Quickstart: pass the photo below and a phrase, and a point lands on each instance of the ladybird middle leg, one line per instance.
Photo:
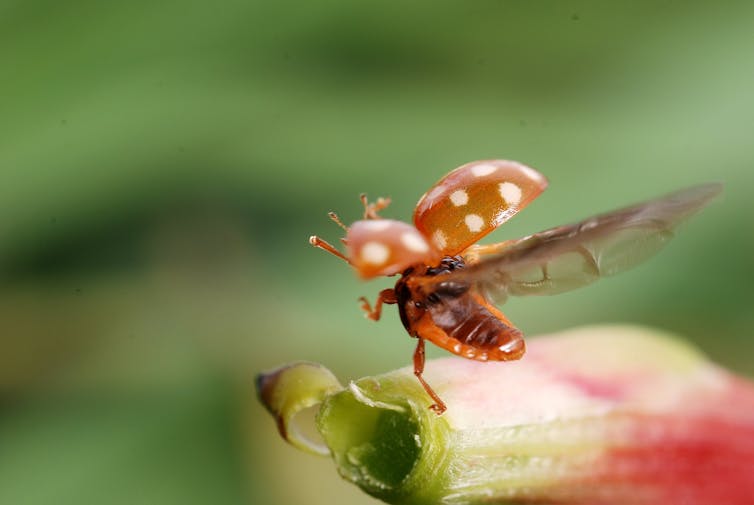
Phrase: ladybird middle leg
(385, 296)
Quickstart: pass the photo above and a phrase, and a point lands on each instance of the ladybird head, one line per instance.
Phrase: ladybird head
(377, 247)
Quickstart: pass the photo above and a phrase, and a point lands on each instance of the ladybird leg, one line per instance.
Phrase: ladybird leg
(371, 209)
(439, 406)
(323, 244)
(386, 296)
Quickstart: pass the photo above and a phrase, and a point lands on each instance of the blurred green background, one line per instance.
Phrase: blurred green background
(162, 165)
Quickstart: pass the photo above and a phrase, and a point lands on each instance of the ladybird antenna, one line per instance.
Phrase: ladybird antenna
(335, 219)
(324, 245)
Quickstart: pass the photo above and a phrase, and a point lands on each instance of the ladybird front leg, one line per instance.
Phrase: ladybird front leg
(385, 296)
(439, 406)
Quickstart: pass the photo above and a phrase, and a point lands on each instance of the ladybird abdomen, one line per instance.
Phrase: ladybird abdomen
(470, 330)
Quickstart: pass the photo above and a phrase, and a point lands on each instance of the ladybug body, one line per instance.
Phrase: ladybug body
(453, 316)
(447, 280)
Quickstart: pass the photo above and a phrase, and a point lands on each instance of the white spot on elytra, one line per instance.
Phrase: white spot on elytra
(376, 224)
(474, 222)
(375, 253)
(483, 169)
(459, 197)
(439, 238)
(510, 192)
(414, 242)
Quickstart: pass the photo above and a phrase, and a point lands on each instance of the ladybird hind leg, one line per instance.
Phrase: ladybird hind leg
(439, 406)
(385, 296)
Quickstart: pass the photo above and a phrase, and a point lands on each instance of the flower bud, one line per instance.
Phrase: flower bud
(601, 415)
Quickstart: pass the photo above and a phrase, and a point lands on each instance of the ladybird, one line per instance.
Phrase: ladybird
(448, 282)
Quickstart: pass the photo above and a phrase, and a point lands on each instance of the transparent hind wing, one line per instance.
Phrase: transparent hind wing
(568, 257)
(580, 261)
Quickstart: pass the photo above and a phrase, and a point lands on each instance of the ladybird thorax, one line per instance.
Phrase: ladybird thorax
(413, 301)
(378, 247)
(453, 315)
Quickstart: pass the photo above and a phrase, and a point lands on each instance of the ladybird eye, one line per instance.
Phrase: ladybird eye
(473, 200)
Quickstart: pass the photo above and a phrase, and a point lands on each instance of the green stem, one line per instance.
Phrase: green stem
(392, 448)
